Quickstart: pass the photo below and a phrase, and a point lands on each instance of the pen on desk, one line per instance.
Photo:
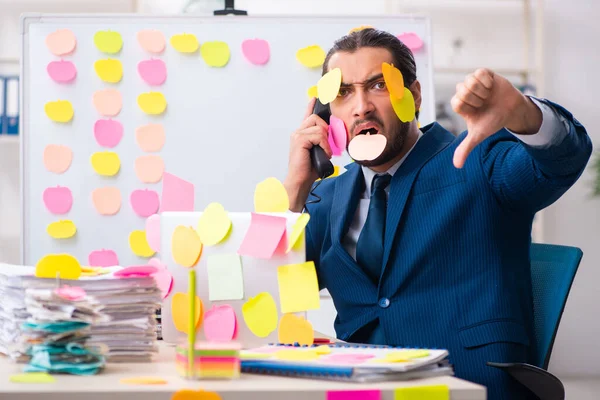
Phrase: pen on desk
(192, 322)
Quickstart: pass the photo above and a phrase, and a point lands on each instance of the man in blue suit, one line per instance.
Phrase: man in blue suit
(426, 243)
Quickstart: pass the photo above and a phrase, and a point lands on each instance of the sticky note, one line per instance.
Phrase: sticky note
(105, 163)
(153, 71)
(184, 42)
(152, 103)
(260, 314)
(263, 236)
(394, 81)
(359, 28)
(59, 111)
(139, 244)
(143, 380)
(338, 133)
(61, 42)
(177, 194)
(108, 102)
(144, 202)
(149, 168)
(188, 394)
(296, 355)
(220, 324)
(150, 137)
(374, 394)
(328, 87)
(72, 293)
(57, 158)
(62, 229)
(405, 108)
(312, 91)
(295, 329)
(311, 56)
(108, 132)
(298, 287)
(32, 377)
(406, 355)
(256, 51)
(164, 281)
(334, 149)
(249, 355)
(64, 264)
(323, 350)
(61, 71)
(270, 196)
(58, 200)
(429, 392)
(103, 258)
(136, 271)
(155, 262)
(411, 40)
(153, 232)
(297, 230)
(109, 70)
(151, 40)
(213, 225)
(225, 278)
(367, 147)
(107, 200)
(109, 42)
(347, 359)
(185, 246)
(215, 53)
(180, 307)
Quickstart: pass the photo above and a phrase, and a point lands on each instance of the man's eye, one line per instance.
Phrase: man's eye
(379, 85)
(343, 92)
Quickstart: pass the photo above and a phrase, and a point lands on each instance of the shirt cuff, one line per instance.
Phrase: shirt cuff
(554, 127)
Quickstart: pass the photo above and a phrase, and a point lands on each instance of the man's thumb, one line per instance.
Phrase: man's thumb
(462, 151)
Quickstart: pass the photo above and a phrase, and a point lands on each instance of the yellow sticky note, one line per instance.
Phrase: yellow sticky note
(109, 42)
(185, 246)
(62, 229)
(180, 307)
(405, 108)
(328, 86)
(270, 196)
(59, 111)
(184, 42)
(105, 163)
(260, 314)
(312, 91)
(65, 264)
(214, 224)
(394, 81)
(32, 377)
(249, 355)
(323, 350)
(406, 355)
(109, 70)
(311, 56)
(296, 355)
(152, 103)
(139, 244)
(143, 380)
(298, 287)
(430, 392)
(295, 329)
(215, 54)
(359, 28)
(297, 230)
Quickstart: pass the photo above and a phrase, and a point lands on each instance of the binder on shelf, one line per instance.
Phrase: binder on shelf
(2, 104)
(11, 111)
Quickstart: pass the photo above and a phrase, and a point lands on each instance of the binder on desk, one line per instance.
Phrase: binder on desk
(11, 109)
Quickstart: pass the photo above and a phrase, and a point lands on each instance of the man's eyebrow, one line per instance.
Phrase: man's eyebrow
(366, 82)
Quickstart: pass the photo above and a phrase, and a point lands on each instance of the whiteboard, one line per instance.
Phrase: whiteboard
(226, 128)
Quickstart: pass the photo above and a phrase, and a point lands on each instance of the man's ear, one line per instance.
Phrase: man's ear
(415, 89)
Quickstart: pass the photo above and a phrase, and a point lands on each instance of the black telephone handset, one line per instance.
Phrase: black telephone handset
(318, 157)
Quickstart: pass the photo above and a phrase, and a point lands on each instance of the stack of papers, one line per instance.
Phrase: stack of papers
(128, 331)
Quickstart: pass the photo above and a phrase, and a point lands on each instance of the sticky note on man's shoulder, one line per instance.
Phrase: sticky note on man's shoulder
(430, 392)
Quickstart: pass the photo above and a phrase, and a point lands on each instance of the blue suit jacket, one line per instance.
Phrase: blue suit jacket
(456, 270)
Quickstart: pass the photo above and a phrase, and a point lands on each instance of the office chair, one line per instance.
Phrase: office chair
(553, 269)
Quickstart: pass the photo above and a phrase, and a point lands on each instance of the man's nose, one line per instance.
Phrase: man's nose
(363, 105)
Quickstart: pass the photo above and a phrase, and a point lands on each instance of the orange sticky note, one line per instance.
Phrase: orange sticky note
(108, 102)
(180, 310)
(185, 246)
(150, 138)
(298, 287)
(188, 394)
(393, 80)
(61, 42)
(295, 329)
(107, 200)
(149, 168)
(57, 158)
(152, 41)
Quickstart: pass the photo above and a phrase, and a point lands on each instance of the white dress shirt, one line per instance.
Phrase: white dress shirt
(553, 129)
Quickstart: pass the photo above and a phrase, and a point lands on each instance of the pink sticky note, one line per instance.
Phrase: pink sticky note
(337, 130)
(152, 41)
(335, 150)
(354, 395)
(367, 147)
(220, 324)
(153, 232)
(155, 262)
(164, 281)
(136, 271)
(108, 132)
(108, 102)
(347, 358)
(72, 293)
(144, 202)
(256, 51)
(177, 194)
(411, 40)
(58, 200)
(61, 71)
(263, 236)
(103, 258)
(153, 71)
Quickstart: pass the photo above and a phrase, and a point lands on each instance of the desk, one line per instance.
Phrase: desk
(106, 386)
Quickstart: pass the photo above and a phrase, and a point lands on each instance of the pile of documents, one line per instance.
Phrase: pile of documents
(126, 330)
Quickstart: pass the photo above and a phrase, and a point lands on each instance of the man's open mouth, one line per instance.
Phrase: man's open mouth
(369, 131)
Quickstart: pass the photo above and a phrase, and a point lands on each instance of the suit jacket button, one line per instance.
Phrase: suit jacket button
(384, 302)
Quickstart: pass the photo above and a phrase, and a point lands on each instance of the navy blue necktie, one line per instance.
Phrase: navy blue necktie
(369, 248)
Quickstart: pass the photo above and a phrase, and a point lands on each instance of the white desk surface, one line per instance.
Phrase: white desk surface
(106, 386)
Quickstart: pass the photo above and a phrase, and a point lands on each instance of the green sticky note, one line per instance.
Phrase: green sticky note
(432, 392)
(225, 279)
(32, 377)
